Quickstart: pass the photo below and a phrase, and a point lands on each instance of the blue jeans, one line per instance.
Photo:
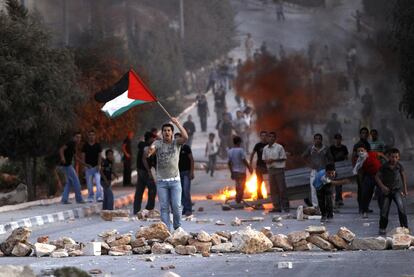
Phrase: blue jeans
(169, 194)
(90, 174)
(72, 180)
(186, 191)
(108, 200)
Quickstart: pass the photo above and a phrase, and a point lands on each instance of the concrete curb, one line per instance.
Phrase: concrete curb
(70, 214)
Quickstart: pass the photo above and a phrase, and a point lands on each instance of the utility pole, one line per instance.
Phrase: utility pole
(182, 19)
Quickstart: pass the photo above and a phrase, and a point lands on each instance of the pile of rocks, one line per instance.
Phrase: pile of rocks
(157, 239)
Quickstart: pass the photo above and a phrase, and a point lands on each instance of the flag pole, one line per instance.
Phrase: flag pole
(162, 107)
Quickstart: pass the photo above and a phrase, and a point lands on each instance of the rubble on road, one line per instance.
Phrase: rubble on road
(156, 239)
(109, 215)
(146, 215)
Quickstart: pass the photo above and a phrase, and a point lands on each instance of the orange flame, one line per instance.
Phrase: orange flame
(250, 190)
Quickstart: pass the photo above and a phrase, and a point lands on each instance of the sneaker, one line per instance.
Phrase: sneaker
(99, 200)
(324, 219)
(382, 232)
(81, 202)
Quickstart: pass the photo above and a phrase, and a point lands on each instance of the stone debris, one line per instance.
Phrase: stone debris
(203, 237)
(156, 239)
(142, 250)
(277, 218)
(315, 229)
(201, 221)
(108, 215)
(338, 242)
(282, 265)
(310, 211)
(346, 234)
(148, 214)
(236, 222)
(167, 267)
(401, 241)
(281, 241)
(118, 240)
(220, 223)
(60, 253)
(139, 242)
(399, 230)
(21, 250)
(370, 243)
(200, 246)
(95, 271)
(267, 232)
(200, 209)
(297, 236)
(43, 239)
(223, 248)
(321, 243)
(92, 249)
(253, 219)
(155, 231)
(185, 250)
(108, 233)
(250, 241)
(20, 234)
(14, 271)
(43, 249)
(150, 259)
(161, 248)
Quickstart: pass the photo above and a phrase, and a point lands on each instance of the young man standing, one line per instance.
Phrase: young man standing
(145, 178)
(339, 153)
(186, 166)
(168, 174)
(393, 183)
(274, 156)
(202, 110)
(317, 156)
(323, 183)
(212, 149)
(66, 153)
(261, 168)
(127, 157)
(91, 155)
(363, 141)
(107, 173)
(237, 166)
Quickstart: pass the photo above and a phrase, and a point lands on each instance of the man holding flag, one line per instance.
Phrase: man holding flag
(128, 92)
(168, 174)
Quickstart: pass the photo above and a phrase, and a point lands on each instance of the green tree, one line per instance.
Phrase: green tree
(38, 90)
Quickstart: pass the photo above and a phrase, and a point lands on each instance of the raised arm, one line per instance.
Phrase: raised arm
(184, 136)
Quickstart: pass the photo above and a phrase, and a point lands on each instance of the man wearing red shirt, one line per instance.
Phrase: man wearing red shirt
(370, 166)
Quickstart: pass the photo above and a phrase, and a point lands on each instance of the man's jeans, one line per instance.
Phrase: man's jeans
(108, 200)
(186, 191)
(386, 204)
(72, 180)
(90, 174)
(169, 194)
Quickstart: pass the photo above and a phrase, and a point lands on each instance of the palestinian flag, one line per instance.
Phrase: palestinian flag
(128, 92)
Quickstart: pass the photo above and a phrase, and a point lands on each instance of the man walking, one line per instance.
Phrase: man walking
(317, 156)
(274, 156)
(91, 155)
(237, 165)
(202, 111)
(127, 157)
(190, 128)
(145, 178)
(168, 174)
(186, 167)
(66, 153)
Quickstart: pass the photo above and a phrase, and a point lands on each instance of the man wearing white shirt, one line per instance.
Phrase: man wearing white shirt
(274, 156)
